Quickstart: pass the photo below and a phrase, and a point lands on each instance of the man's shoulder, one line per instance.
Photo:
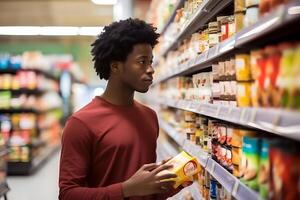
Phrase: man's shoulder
(146, 109)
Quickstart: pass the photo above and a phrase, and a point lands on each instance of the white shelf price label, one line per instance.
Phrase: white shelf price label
(206, 55)
(253, 115)
(235, 188)
(242, 116)
(213, 167)
(276, 120)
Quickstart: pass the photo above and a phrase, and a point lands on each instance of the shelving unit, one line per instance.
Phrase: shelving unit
(26, 168)
(258, 33)
(47, 74)
(277, 121)
(277, 26)
(229, 182)
(207, 10)
(42, 151)
(171, 18)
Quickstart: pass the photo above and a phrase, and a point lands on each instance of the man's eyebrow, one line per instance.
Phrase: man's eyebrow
(143, 56)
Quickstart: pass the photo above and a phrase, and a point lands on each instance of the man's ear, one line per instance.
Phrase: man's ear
(115, 67)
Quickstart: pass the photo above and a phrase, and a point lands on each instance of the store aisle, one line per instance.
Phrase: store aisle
(41, 185)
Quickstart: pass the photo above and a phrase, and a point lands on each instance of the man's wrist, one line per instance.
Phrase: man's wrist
(127, 191)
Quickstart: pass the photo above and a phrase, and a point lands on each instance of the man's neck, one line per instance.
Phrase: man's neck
(118, 94)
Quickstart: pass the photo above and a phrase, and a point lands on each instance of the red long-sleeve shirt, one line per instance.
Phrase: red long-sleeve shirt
(102, 146)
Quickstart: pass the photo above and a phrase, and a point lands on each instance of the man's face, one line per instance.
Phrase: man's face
(137, 69)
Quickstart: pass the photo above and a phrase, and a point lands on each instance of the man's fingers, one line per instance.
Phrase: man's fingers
(165, 175)
(166, 160)
(161, 168)
(149, 167)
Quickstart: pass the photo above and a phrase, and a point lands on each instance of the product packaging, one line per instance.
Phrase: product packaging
(184, 166)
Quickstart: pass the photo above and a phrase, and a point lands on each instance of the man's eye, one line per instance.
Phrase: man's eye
(142, 62)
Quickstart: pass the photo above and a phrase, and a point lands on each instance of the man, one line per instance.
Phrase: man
(109, 146)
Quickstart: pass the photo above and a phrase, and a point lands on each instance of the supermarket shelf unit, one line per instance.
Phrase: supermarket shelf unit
(171, 18)
(45, 73)
(257, 33)
(229, 182)
(277, 121)
(206, 11)
(25, 168)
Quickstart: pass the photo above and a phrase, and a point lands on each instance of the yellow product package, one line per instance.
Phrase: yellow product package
(184, 166)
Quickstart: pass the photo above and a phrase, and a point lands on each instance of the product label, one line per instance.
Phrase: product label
(190, 168)
(240, 64)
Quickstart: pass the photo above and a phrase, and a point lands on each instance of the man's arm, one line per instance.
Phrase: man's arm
(75, 162)
(77, 141)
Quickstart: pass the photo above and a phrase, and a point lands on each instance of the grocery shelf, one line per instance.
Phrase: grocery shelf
(25, 168)
(276, 20)
(26, 110)
(178, 138)
(278, 121)
(45, 73)
(257, 33)
(24, 91)
(206, 11)
(238, 190)
(178, 5)
(18, 110)
(3, 189)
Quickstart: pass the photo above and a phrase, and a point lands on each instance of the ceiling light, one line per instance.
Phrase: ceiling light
(90, 31)
(59, 30)
(19, 30)
(50, 30)
(104, 2)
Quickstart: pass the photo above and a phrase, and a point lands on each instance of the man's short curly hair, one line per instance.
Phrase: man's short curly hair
(116, 42)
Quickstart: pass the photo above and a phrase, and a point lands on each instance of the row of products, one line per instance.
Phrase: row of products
(18, 131)
(210, 188)
(267, 77)
(27, 80)
(269, 165)
(9, 100)
(246, 13)
(263, 6)
(35, 60)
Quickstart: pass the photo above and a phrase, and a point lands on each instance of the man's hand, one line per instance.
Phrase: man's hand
(147, 181)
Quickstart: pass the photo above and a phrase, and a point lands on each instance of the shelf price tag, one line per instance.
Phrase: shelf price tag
(253, 115)
(242, 116)
(276, 120)
(213, 167)
(206, 55)
(235, 188)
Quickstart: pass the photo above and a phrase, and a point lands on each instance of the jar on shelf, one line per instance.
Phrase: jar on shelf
(251, 17)
(239, 20)
(239, 5)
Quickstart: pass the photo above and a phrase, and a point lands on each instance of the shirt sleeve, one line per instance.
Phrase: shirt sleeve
(77, 141)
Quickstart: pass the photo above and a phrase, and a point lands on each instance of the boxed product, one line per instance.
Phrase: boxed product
(284, 170)
(184, 166)
(264, 169)
(250, 161)
(236, 155)
(244, 94)
(242, 66)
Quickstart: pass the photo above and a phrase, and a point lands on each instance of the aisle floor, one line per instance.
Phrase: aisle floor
(41, 185)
